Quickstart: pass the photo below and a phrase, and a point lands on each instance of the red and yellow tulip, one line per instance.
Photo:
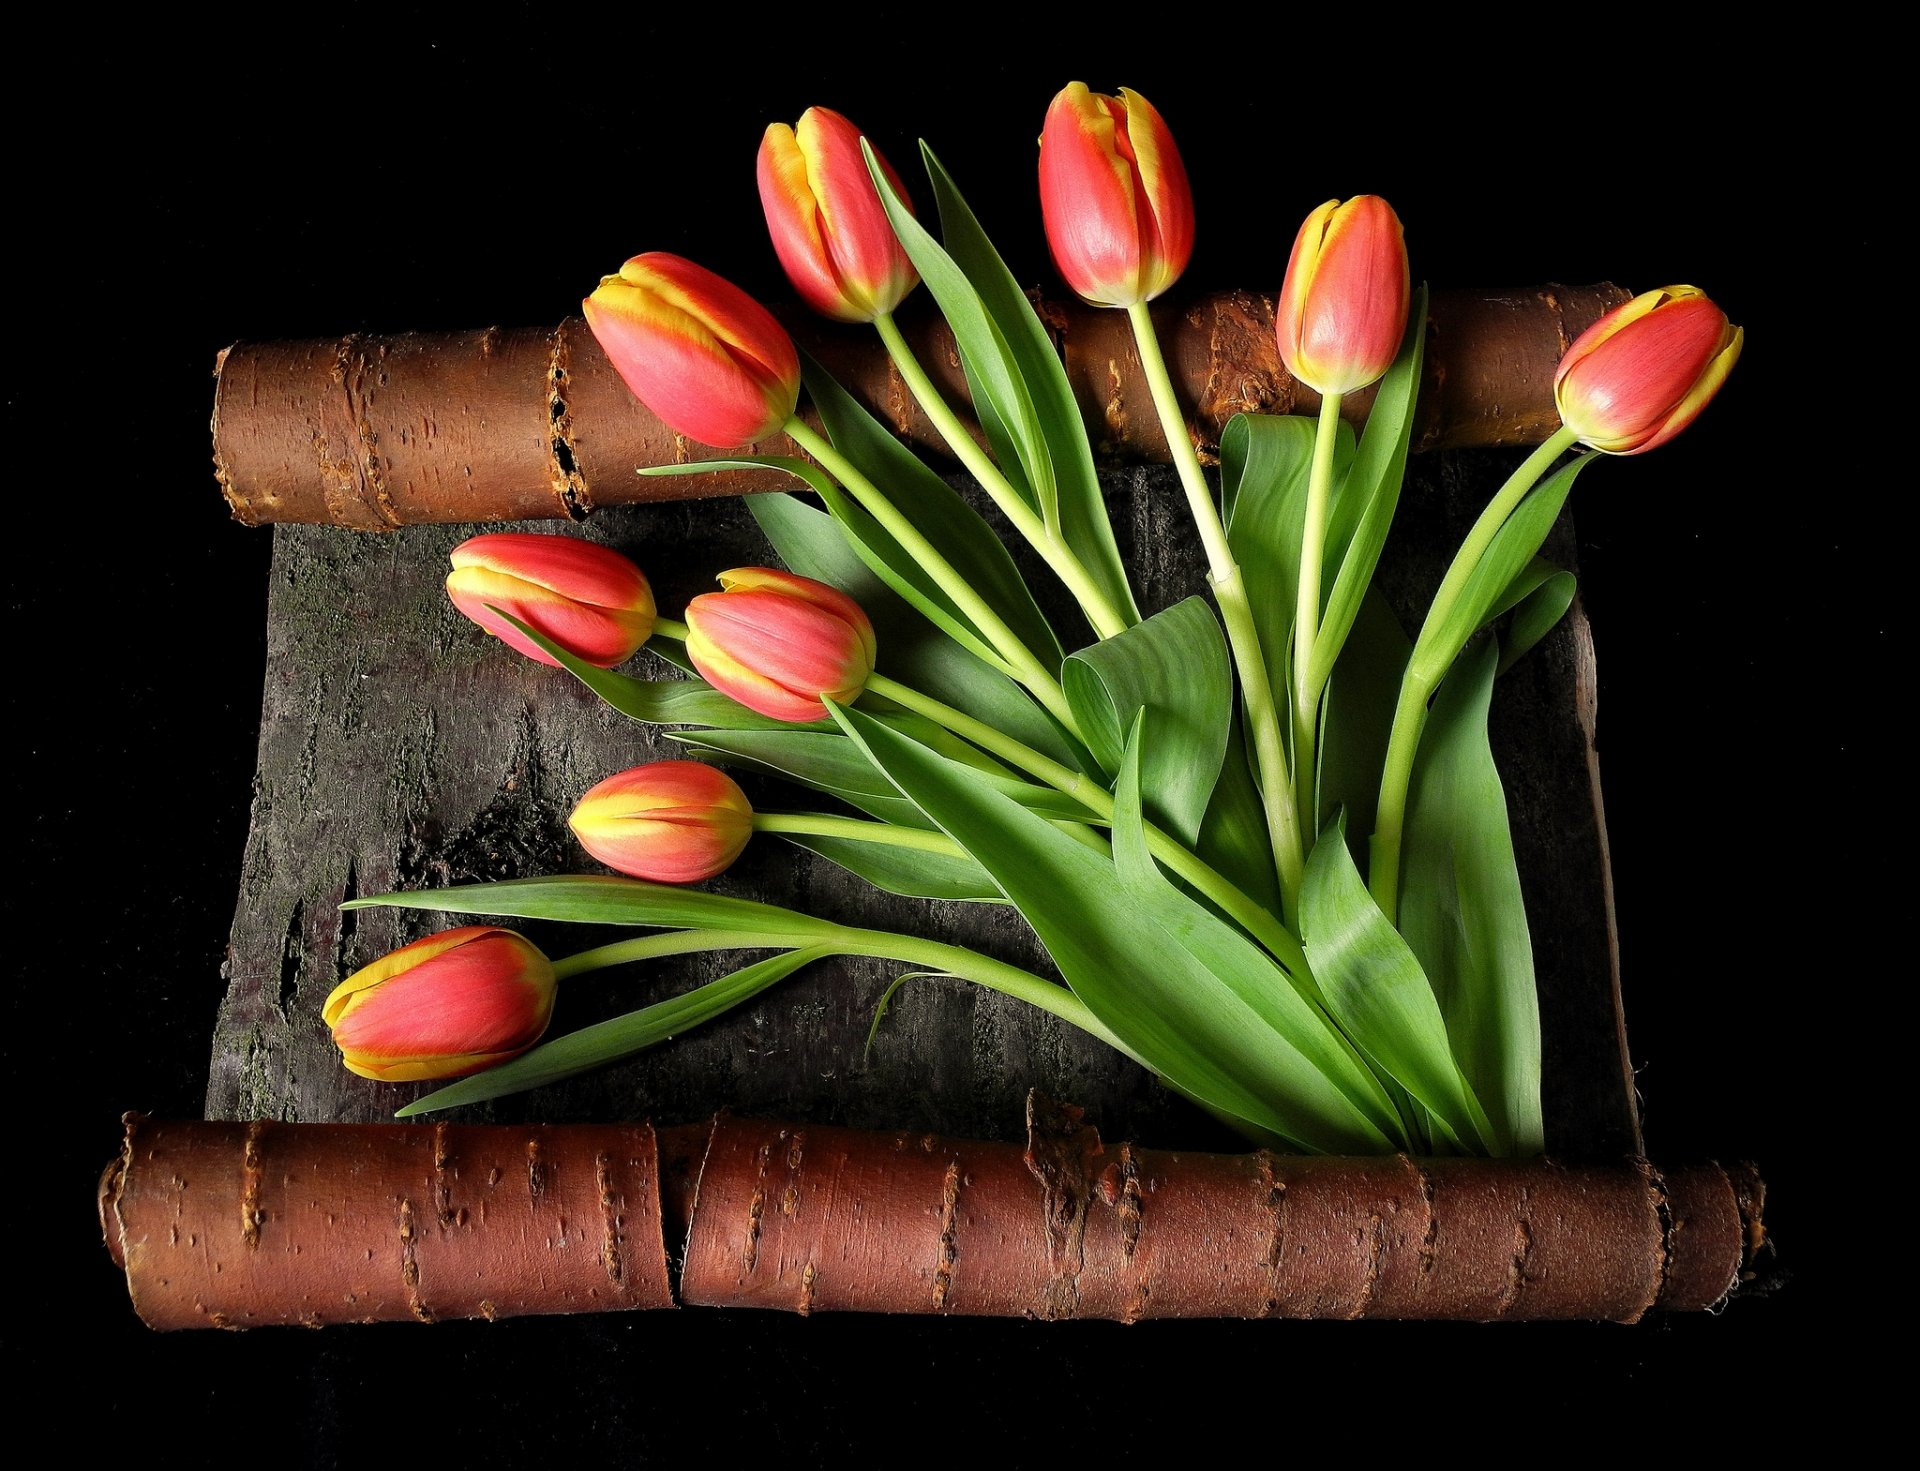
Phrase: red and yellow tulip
(706, 357)
(442, 1007)
(1114, 195)
(587, 598)
(779, 644)
(1343, 309)
(828, 225)
(1645, 370)
(675, 822)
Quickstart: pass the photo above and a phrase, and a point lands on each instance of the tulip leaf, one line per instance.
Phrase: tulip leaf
(618, 1038)
(1379, 995)
(1123, 959)
(1175, 665)
(1539, 598)
(1357, 718)
(1513, 547)
(1083, 519)
(596, 899)
(1265, 463)
(1234, 839)
(912, 650)
(904, 871)
(1462, 912)
(1361, 512)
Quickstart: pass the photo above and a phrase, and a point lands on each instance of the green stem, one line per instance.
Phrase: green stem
(679, 942)
(667, 628)
(1100, 611)
(1428, 666)
(1020, 659)
(1249, 914)
(1306, 622)
(1243, 635)
(887, 834)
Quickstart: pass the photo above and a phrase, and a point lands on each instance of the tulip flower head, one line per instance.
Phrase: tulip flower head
(1343, 309)
(675, 822)
(442, 1007)
(1114, 195)
(828, 225)
(1645, 370)
(706, 357)
(585, 597)
(780, 644)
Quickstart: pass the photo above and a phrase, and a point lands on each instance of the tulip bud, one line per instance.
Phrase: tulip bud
(1114, 194)
(707, 358)
(675, 822)
(778, 643)
(587, 598)
(828, 225)
(1343, 309)
(442, 1007)
(1645, 370)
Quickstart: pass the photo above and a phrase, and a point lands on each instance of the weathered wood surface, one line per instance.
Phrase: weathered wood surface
(401, 749)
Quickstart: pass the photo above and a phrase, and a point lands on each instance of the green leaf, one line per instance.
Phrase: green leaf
(1175, 665)
(904, 871)
(621, 1037)
(1516, 544)
(596, 899)
(912, 650)
(1358, 718)
(1163, 1004)
(1462, 912)
(1539, 598)
(1361, 512)
(1378, 994)
(1084, 524)
(1234, 841)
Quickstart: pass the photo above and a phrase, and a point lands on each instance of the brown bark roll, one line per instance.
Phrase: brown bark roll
(376, 432)
(236, 1225)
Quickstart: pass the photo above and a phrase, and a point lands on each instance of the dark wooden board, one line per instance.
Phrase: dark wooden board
(400, 749)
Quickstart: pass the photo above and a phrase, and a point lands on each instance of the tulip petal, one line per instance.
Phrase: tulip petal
(1088, 199)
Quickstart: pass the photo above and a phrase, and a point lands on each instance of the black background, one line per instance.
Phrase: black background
(381, 170)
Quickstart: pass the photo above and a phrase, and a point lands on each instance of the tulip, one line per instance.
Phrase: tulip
(828, 225)
(586, 598)
(1645, 370)
(442, 1007)
(1114, 194)
(708, 359)
(780, 644)
(1343, 309)
(675, 822)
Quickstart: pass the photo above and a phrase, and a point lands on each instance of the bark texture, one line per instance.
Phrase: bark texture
(375, 432)
(235, 1226)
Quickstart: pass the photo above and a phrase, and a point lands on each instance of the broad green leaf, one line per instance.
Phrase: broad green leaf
(1324, 1076)
(1539, 598)
(1265, 463)
(1461, 908)
(1083, 518)
(596, 899)
(1357, 719)
(1175, 665)
(1378, 994)
(1234, 841)
(912, 650)
(1514, 546)
(1361, 512)
(936, 509)
(621, 1037)
(903, 870)
(1164, 1005)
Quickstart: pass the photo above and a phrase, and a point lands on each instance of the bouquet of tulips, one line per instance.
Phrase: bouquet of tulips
(1263, 839)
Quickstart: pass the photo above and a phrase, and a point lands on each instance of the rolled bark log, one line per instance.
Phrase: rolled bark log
(239, 1225)
(377, 432)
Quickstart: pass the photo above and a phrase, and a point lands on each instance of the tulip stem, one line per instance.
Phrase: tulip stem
(667, 628)
(677, 942)
(1306, 622)
(1243, 635)
(1100, 612)
(858, 830)
(1429, 664)
(1248, 913)
(1025, 667)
